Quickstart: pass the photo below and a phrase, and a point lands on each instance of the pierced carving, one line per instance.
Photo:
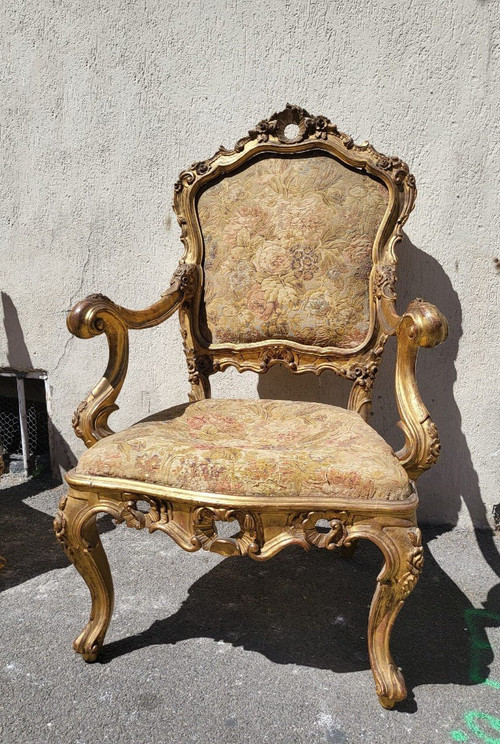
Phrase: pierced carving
(264, 529)
(262, 533)
(156, 516)
(331, 538)
(307, 125)
(274, 354)
(314, 127)
(205, 533)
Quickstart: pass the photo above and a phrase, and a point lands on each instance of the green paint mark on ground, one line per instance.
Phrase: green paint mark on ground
(492, 683)
(458, 735)
(471, 719)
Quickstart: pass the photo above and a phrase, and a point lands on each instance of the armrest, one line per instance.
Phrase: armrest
(97, 314)
(421, 325)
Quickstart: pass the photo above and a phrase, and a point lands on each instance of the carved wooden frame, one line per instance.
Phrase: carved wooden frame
(270, 137)
(264, 529)
(189, 519)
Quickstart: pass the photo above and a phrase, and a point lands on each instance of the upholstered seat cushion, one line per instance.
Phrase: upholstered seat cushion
(254, 447)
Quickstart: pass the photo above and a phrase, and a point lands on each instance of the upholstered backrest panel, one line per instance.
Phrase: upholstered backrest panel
(288, 250)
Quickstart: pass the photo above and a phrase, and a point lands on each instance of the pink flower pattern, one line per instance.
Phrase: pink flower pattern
(254, 447)
(299, 233)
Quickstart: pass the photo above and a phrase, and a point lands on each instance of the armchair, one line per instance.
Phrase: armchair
(289, 258)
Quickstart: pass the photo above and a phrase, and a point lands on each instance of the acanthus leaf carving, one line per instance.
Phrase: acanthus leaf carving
(199, 365)
(319, 127)
(415, 562)
(76, 418)
(364, 373)
(277, 353)
(434, 442)
(185, 275)
(385, 282)
(60, 525)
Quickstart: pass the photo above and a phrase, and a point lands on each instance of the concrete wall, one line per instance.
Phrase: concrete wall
(104, 102)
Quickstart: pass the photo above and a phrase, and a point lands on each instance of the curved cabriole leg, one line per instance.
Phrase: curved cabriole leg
(403, 552)
(76, 530)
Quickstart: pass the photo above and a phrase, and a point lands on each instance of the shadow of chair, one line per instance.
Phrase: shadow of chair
(300, 609)
(27, 534)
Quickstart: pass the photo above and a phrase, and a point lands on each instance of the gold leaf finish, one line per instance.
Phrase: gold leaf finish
(325, 513)
(421, 325)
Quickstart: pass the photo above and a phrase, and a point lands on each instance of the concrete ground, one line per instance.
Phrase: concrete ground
(202, 649)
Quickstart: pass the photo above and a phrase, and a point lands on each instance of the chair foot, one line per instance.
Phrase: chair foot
(90, 640)
(403, 554)
(76, 530)
(394, 682)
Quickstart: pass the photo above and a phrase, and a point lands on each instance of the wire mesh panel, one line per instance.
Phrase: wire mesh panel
(36, 422)
(10, 427)
(38, 435)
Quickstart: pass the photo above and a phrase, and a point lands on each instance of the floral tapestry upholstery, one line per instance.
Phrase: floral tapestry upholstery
(288, 251)
(262, 448)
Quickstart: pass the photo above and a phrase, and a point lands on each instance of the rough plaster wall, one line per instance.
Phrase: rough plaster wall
(104, 102)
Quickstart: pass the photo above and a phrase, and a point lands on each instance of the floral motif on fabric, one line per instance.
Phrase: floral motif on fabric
(288, 251)
(254, 447)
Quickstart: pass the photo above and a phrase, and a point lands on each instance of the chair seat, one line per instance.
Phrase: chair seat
(261, 448)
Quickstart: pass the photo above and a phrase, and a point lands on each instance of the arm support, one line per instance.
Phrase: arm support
(421, 325)
(97, 314)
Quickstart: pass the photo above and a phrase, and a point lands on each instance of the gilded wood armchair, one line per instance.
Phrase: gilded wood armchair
(289, 258)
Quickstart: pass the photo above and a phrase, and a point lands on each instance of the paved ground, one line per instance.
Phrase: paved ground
(206, 650)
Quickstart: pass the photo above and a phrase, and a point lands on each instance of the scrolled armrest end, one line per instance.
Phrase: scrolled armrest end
(421, 325)
(424, 323)
(97, 314)
(88, 317)
(94, 315)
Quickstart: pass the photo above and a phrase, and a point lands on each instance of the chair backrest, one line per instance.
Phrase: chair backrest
(293, 233)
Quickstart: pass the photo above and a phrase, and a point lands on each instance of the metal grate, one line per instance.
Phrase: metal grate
(38, 431)
(10, 427)
(24, 434)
